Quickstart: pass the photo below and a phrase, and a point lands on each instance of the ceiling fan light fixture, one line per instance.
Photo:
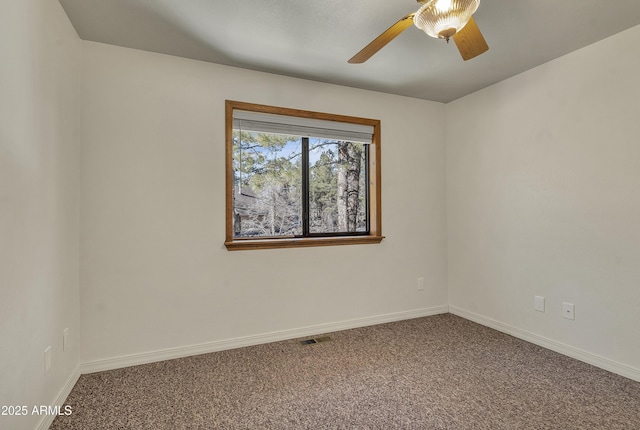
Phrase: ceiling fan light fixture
(444, 18)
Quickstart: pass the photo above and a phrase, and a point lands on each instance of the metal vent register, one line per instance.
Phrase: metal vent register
(315, 340)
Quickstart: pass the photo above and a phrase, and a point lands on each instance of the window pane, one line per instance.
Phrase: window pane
(337, 187)
(267, 199)
(298, 178)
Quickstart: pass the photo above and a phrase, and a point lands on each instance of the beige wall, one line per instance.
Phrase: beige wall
(39, 170)
(543, 192)
(155, 274)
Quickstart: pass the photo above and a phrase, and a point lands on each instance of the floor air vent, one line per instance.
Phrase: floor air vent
(315, 340)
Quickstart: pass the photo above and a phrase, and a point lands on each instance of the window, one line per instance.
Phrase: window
(299, 178)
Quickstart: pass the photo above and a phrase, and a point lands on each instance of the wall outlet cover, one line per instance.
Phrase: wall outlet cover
(47, 359)
(65, 339)
(568, 311)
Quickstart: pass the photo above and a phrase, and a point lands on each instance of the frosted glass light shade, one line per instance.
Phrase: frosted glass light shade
(444, 18)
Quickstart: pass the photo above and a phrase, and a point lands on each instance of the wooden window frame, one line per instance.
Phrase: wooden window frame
(375, 207)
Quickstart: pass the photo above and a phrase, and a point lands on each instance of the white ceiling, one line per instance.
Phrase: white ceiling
(313, 39)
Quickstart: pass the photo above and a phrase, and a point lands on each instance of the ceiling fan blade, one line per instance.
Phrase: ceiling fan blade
(470, 41)
(379, 42)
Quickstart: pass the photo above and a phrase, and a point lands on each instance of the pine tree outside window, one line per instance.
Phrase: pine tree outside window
(299, 178)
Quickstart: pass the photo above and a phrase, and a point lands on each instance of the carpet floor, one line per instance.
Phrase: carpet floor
(438, 372)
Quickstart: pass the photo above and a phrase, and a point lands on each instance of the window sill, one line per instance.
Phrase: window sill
(245, 244)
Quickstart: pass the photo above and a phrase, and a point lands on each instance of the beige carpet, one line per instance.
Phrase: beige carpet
(439, 372)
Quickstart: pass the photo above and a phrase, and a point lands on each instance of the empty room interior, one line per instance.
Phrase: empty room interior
(505, 193)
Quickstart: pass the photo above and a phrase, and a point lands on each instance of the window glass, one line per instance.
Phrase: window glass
(267, 199)
(338, 193)
(299, 178)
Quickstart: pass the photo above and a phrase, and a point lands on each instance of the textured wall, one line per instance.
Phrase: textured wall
(39, 169)
(543, 192)
(154, 271)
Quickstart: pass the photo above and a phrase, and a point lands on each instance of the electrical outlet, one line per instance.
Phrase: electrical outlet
(47, 359)
(65, 339)
(420, 284)
(568, 311)
(538, 303)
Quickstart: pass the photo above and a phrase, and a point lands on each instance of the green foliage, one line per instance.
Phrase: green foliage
(323, 182)
(257, 153)
(270, 167)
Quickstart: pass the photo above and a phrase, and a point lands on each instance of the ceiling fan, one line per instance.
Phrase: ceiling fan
(442, 19)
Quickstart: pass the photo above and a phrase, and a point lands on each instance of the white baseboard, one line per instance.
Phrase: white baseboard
(204, 348)
(47, 420)
(562, 348)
